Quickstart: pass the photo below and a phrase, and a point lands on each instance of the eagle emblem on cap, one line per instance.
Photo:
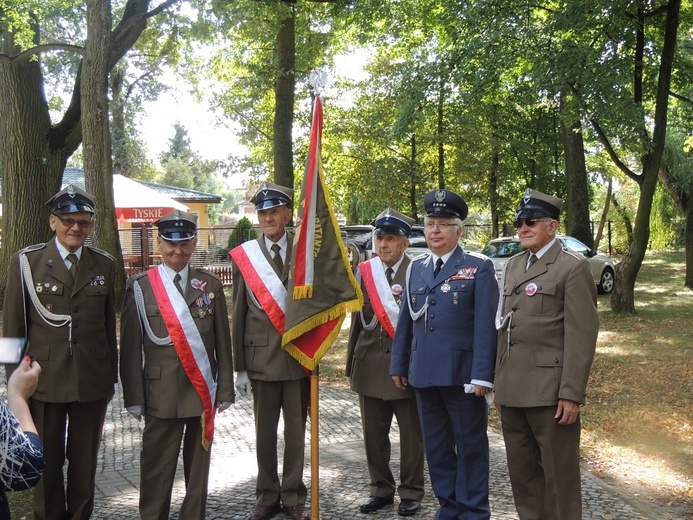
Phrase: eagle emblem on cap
(176, 214)
(71, 191)
(440, 195)
(527, 196)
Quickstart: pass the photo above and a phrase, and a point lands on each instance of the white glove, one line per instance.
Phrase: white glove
(469, 389)
(136, 411)
(243, 384)
(224, 405)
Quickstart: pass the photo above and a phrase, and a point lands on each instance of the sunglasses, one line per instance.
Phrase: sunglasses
(529, 222)
(70, 222)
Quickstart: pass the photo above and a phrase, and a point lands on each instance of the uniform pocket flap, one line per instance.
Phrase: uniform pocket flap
(256, 340)
(549, 359)
(152, 372)
(153, 310)
(95, 290)
(547, 288)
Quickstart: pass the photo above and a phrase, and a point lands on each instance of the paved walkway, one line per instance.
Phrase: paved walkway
(343, 475)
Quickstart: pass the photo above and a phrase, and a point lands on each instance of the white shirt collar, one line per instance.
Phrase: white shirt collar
(544, 249)
(64, 252)
(282, 243)
(183, 274)
(395, 267)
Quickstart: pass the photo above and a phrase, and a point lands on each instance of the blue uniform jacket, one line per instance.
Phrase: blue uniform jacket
(454, 340)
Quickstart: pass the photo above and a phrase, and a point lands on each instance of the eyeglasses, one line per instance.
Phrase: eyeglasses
(529, 222)
(70, 222)
(440, 225)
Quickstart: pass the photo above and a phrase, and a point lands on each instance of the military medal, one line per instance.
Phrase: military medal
(445, 287)
(396, 289)
(531, 289)
(39, 288)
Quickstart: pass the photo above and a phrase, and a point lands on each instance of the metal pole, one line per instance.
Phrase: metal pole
(314, 445)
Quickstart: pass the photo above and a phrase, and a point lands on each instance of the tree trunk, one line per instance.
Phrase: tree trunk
(33, 150)
(440, 133)
(284, 103)
(98, 167)
(605, 213)
(413, 202)
(32, 163)
(578, 200)
(688, 282)
(623, 297)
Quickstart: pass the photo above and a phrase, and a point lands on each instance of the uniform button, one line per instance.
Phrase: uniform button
(514, 309)
(433, 302)
(387, 351)
(512, 343)
(431, 316)
(556, 361)
(517, 291)
(75, 326)
(430, 329)
(513, 326)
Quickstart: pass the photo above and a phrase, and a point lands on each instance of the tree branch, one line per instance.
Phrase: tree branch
(612, 153)
(46, 47)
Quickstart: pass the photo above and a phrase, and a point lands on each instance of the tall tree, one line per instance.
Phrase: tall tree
(34, 149)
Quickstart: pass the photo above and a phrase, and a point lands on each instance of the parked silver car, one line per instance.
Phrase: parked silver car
(500, 250)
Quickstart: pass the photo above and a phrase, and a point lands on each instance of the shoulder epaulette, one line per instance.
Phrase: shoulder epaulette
(421, 256)
(33, 247)
(481, 256)
(101, 252)
(572, 253)
(139, 275)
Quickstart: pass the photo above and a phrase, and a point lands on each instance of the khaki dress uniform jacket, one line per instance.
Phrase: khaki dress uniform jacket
(280, 384)
(77, 377)
(545, 353)
(368, 367)
(153, 375)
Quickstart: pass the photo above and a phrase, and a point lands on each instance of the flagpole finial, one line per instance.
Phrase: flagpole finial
(317, 81)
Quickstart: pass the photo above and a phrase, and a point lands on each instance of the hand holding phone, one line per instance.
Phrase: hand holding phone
(12, 350)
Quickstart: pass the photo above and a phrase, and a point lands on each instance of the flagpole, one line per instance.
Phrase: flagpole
(314, 445)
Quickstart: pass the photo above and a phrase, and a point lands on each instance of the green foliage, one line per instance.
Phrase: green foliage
(243, 232)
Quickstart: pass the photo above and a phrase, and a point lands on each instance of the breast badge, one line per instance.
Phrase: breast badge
(531, 289)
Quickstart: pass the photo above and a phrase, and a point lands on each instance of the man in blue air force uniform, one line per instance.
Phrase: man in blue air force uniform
(445, 347)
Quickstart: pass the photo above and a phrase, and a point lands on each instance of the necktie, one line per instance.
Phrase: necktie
(176, 282)
(439, 264)
(74, 264)
(389, 273)
(532, 259)
(277, 257)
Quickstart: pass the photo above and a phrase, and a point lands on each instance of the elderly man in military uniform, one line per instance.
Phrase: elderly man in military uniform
(368, 368)
(445, 347)
(175, 363)
(549, 323)
(60, 295)
(278, 382)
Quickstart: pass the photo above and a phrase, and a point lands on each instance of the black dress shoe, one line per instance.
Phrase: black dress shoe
(408, 507)
(375, 504)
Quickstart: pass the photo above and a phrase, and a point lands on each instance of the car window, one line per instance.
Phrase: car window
(575, 245)
(502, 249)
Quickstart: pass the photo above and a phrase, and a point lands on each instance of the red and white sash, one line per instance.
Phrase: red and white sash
(188, 344)
(378, 288)
(262, 281)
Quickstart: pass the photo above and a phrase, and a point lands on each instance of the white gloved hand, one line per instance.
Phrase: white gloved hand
(224, 405)
(136, 411)
(243, 384)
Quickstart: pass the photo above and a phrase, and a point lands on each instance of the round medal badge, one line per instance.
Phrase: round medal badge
(531, 289)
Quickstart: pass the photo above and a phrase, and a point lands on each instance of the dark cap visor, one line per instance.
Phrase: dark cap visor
(73, 208)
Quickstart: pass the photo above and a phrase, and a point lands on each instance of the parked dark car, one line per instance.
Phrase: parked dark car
(500, 250)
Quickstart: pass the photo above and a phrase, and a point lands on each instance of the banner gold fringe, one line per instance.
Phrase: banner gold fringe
(303, 291)
(311, 363)
(205, 443)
